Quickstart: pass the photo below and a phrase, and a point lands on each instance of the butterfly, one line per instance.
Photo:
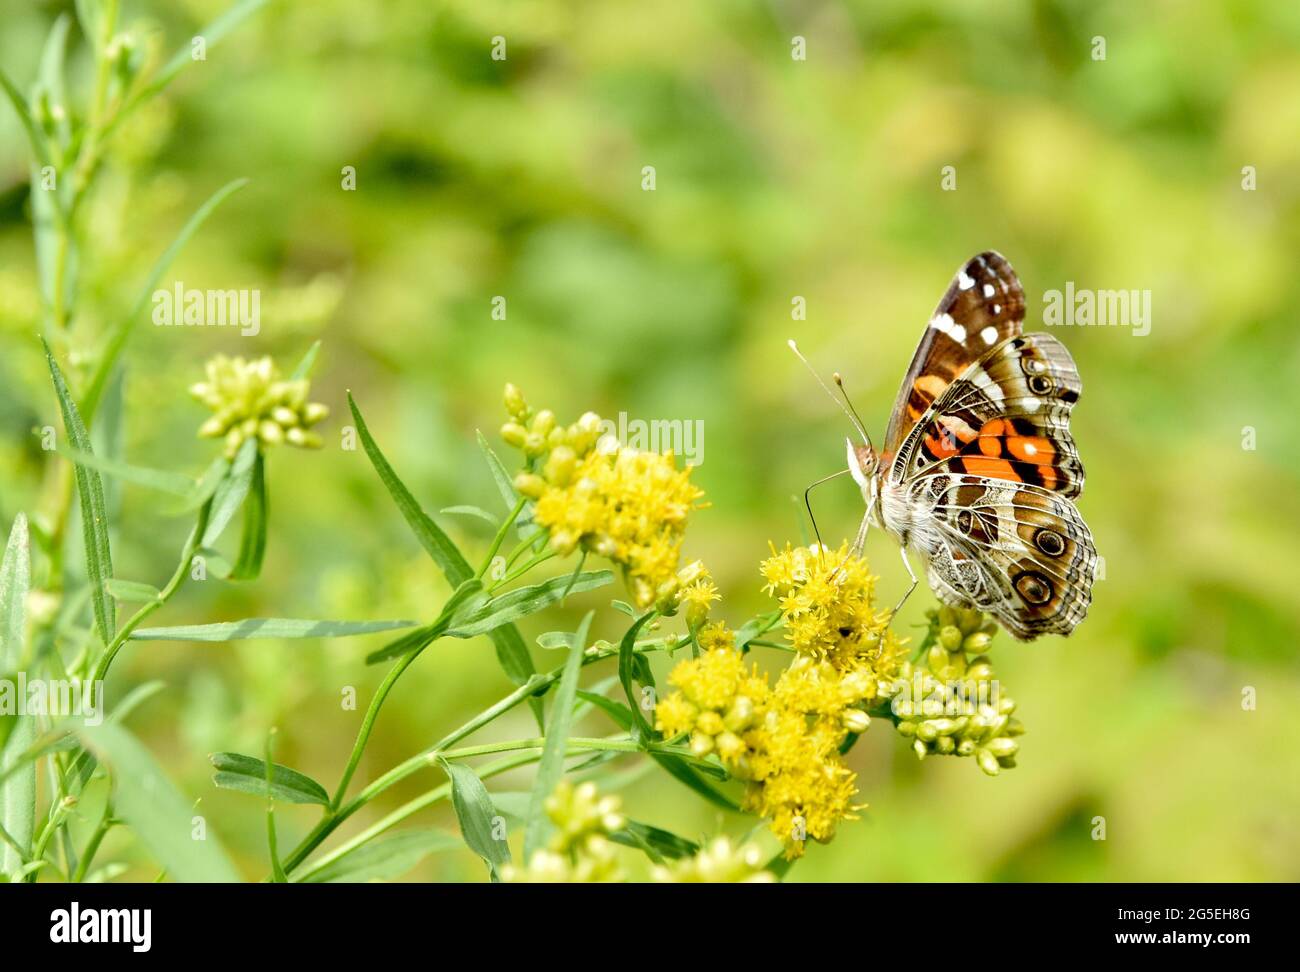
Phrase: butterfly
(979, 472)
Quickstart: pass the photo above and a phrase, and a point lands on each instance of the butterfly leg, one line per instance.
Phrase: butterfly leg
(908, 564)
(860, 540)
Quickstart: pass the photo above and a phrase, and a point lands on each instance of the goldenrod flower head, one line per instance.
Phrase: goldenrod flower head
(579, 850)
(721, 861)
(249, 400)
(827, 598)
(784, 740)
(628, 506)
(952, 705)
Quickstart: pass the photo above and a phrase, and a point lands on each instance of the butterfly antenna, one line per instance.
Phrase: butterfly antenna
(846, 409)
(857, 419)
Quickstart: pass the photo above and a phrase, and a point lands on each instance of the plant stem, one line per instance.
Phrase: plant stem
(368, 723)
(92, 845)
(177, 579)
(500, 538)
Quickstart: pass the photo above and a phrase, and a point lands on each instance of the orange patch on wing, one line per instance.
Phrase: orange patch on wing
(990, 468)
(1031, 448)
(930, 385)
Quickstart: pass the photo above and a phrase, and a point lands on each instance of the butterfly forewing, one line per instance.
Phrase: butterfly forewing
(1006, 417)
(984, 305)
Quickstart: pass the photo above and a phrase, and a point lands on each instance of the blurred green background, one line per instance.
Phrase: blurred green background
(775, 178)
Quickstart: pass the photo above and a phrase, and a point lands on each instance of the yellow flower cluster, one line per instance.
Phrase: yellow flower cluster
(627, 506)
(953, 705)
(249, 400)
(785, 739)
(579, 850)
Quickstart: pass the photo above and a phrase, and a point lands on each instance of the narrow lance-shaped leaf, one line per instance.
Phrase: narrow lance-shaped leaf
(512, 653)
(162, 819)
(94, 516)
(385, 859)
(252, 543)
(248, 774)
(523, 601)
(551, 767)
(118, 337)
(231, 492)
(18, 791)
(252, 628)
(166, 482)
(641, 731)
(477, 816)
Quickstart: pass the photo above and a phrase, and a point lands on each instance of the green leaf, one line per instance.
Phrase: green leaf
(642, 731)
(470, 592)
(18, 792)
(512, 653)
(247, 774)
(686, 774)
(522, 602)
(201, 491)
(386, 858)
(212, 34)
(159, 479)
(474, 511)
(252, 543)
(118, 337)
(162, 819)
(476, 815)
(656, 842)
(132, 591)
(35, 137)
(551, 767)
(439, 546)
(307, 363)
(411, 641)
(253, 628)
(231, 492)
(94, 517)
(617, 711)
(505, 486)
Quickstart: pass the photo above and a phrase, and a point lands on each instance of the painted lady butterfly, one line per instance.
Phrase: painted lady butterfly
(979, 472)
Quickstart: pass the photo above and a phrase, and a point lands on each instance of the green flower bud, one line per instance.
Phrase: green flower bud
(514, 434)
(530, 485)
(976, 643)
(945, 745)
(920, 749)
(855, 720)
(987, 762)
(560, 465)
(1002, 746)
(702, 744)
(543, 422)
(950, 637)
(515, 404)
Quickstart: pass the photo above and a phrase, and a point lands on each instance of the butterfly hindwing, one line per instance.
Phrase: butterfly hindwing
(983, 306)
(1016, 551)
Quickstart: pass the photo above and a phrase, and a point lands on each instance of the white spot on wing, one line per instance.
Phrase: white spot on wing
(988, 290)
(989, 334)
(964, 282)
(1031, 449)
(946, 325)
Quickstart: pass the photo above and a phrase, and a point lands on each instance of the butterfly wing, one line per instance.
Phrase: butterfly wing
(988, 475)
(1007, 417)
(984, 305)
(1016, 551)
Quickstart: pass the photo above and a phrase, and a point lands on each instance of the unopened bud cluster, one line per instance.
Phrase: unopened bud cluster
(250, 400)
(538, 435)
(952, 705)
(579, 850)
